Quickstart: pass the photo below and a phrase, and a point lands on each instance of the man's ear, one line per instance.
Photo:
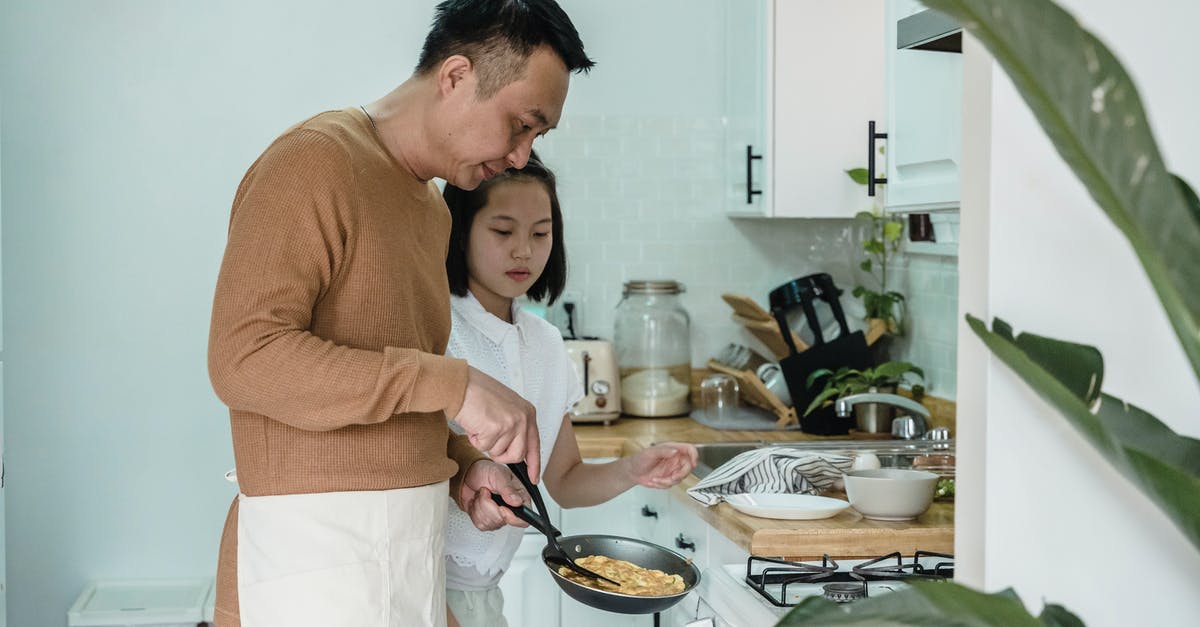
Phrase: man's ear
(453, 72)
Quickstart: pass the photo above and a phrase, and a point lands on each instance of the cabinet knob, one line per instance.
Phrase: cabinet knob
(681, 543)
(649, 513)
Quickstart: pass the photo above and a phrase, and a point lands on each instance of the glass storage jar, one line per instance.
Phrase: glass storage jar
(652, 335)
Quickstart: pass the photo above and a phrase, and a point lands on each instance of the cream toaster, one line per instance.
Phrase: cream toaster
(595, 364)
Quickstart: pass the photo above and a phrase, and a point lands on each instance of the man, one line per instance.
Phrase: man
(331, 317)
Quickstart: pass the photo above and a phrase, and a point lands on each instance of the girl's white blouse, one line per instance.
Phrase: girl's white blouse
(528, 357)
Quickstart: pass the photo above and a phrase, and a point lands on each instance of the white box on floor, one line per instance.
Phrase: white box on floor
(142, 602)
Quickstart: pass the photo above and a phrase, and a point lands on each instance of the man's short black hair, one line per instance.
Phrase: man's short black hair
(498, 36)
(465, 205)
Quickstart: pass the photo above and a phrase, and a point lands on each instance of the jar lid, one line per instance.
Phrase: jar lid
(656, 286)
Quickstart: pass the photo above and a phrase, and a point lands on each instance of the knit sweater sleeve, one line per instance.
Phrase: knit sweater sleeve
(287, 237)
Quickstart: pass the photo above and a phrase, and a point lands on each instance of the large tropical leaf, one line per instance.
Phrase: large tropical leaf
(929, 604)
(1164, 464)
(1090, 109)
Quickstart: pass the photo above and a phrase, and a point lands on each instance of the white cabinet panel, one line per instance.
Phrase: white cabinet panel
(618, 517)
(3, 568)
(531, 597)
(828, 85)
(824, 84)
(924, 145)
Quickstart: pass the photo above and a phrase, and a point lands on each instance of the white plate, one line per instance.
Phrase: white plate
(787, 506)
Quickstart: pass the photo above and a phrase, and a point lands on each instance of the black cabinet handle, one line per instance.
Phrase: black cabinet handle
(649, 513)
(872, 137)
(680, 543)
(750, 191)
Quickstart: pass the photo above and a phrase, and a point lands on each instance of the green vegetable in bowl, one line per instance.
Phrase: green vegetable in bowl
(945, 488)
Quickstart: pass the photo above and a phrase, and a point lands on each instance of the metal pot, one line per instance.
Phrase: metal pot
(875, 417)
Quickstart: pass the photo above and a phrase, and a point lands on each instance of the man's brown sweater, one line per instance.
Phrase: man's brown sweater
(331, 315)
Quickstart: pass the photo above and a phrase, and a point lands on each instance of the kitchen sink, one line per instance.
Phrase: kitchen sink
(891, 453)
(714, 454)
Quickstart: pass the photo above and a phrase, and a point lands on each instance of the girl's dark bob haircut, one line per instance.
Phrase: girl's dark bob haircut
(464, 205)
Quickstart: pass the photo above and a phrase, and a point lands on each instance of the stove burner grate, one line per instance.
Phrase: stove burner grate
(840, 585)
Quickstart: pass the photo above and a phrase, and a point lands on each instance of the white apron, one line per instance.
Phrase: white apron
(352, 559)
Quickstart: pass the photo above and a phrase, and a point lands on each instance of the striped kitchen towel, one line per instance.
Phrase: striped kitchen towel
(773, 470)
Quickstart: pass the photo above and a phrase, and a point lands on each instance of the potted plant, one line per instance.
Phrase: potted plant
(882, 242)
(884, 378)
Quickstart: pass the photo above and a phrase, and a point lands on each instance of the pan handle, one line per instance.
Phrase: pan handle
(529, 516)
(522, 472)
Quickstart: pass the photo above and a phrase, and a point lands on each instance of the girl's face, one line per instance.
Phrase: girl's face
(509, 244)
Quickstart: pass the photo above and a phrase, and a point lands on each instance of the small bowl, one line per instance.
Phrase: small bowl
(890, 493)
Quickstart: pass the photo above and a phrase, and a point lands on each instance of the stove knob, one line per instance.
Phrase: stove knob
(600, 388)
(601, 402)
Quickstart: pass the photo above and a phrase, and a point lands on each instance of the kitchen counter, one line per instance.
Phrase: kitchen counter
(847, 535)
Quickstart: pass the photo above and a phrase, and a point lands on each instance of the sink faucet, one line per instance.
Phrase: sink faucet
(920, 414)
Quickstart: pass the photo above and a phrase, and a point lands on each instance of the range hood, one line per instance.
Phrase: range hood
(929, 30)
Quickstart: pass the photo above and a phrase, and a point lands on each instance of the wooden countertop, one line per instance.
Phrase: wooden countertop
(847, 535)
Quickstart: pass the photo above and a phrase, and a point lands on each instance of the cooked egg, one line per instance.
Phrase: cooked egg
(635, 580)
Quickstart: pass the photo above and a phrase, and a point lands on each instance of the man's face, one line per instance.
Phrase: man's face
(485, 137)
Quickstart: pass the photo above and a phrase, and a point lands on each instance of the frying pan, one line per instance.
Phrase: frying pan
(644, 554)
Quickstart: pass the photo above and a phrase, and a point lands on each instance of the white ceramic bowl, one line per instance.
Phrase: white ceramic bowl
(890, 493)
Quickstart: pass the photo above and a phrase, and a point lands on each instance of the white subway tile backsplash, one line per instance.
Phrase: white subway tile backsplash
(643, 197)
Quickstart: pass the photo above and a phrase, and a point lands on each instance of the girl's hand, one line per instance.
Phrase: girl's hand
(663, 465)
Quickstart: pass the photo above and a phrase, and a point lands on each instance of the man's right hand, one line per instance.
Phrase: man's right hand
(500, 423)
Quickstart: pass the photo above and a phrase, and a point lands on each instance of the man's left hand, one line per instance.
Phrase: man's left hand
(485, 478)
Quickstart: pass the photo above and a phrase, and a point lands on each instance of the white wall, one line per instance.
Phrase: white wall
(126, 128)
(1059, 523)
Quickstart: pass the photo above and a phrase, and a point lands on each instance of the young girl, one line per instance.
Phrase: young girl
(506, 241)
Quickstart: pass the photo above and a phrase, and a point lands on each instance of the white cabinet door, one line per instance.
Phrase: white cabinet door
(618, 517)
(824, 68)
(531, 597)
(747, 69)
(828, 84)
(924, 145)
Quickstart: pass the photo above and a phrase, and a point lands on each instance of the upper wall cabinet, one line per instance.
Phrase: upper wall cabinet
(803, 78)
(924, 87)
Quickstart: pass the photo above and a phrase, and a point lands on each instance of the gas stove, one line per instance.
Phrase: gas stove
(785, 583)
(761, 590)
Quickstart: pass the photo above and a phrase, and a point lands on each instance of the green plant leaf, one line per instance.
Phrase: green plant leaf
(925, 604)
(1079, 367)
(859, 175)
(892, 230)
(1057, 616)
(1097, 123)
(817, 374)
(1162, 463)
(827, 394)
(865, 266)
(894, 370)
(1189, 194)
